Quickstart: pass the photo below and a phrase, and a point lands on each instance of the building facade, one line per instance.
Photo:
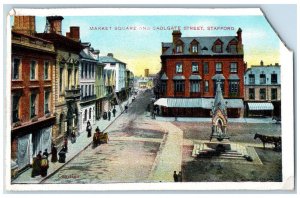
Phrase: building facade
(88, 64)
(66, 72)
(101, 92)
(191, 66)
(263, 90)
(32, 92)
(115, 74)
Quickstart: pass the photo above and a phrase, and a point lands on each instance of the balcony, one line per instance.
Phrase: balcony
(73, 93)
(88, 98)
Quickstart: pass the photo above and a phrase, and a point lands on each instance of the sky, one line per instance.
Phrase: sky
(141, 49)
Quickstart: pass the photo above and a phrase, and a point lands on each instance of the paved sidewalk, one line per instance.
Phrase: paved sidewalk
(169, 157)
(82, 142)
(197, 119)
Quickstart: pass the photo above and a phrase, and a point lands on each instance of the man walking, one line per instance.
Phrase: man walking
(175, 176)
(114, 112)
(109, 115)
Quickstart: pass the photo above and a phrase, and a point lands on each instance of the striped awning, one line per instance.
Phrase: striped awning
(205, 103)
(260, 106)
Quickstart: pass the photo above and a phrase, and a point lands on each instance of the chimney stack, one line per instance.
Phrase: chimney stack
(75, 33)
(24, 24)
(110, 54)
(261, 63)
(54, 23)
(176, 35)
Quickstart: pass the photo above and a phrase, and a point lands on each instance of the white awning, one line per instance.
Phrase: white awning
(205, 103)
(260, 106)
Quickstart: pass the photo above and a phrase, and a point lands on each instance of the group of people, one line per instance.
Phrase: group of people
(177, 177)
(40, 163)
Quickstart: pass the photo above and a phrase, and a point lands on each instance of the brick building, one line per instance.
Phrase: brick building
(32, 107)
(191, 66)
(66, 82)
(263, 90)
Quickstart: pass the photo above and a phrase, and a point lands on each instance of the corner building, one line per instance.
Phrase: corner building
(191, 66)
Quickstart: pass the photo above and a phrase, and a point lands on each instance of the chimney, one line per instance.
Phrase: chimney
(110, 54)
(176, 35)
(68, 35)
(75, 33)
(276, 64)
(54, 23)
(240, 42)
(261, 63)
(24, 24)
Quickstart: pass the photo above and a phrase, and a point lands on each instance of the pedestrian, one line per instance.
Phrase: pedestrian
(73, 137)
(179, 176)
(62, 155)
(65, 145)
(44, 166)
(53, 153)
(36, 165)
(109, 115)
(114, 112)
(89, 129)
(126, 108)
(175, 176)
(157, 110)
(46, 154)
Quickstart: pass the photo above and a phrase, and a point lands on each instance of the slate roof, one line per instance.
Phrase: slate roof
(178, 78)
(87, 56)
(195, 77)
(218, 77)
(233, 77)
(164, 77)
(109, 59)
(204, 47)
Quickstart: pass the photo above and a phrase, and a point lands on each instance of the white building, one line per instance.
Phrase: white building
(89, 60)
(118, 68)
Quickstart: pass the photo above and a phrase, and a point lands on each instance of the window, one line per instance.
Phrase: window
(75, 77)
(206, 86)
(251, 93)
(262, 94)
(274, 94)
(274, 78)
(81, 91)
(218, 68)
(179, 68)
(15, 108)
(85, 115)
(90, 70)
(32, 105)
(90, 113)
(86, 90)
(61, 71)
(194, 48)
(46, 105)
(233, 67)
(218, 48)
(16, 68)
(93, 69)
(92, 89)
(233, 87)
(32, 70)
(233, 48)
(205, 68)
(69, 78)
(179, 85)
(82, 70)
(46, 70)
(86, 70)
(262, 78)
(194, 67)
(179, 49)
(195, 86)
(251, 79)
(163, 87)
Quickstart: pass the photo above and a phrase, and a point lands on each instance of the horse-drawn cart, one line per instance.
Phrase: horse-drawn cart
(100, 138)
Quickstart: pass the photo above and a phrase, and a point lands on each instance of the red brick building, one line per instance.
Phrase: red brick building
(32, 106)
(191, 66)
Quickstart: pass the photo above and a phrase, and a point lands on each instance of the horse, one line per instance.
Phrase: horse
(269, 139)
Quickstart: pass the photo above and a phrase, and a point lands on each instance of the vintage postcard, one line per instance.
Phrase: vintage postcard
(153, 99)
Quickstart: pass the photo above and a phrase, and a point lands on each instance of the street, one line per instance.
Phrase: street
(129, 155)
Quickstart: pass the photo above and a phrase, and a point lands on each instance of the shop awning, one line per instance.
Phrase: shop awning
(205, 103)
(260, 106)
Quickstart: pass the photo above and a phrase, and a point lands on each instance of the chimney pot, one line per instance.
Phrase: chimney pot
(110, 54)
(176, 35)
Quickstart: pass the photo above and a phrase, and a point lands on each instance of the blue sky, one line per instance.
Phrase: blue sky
(142, 49)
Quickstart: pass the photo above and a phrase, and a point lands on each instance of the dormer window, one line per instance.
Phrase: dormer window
(194, 49)
(179, 49)
(218, 48)
(233, 48)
